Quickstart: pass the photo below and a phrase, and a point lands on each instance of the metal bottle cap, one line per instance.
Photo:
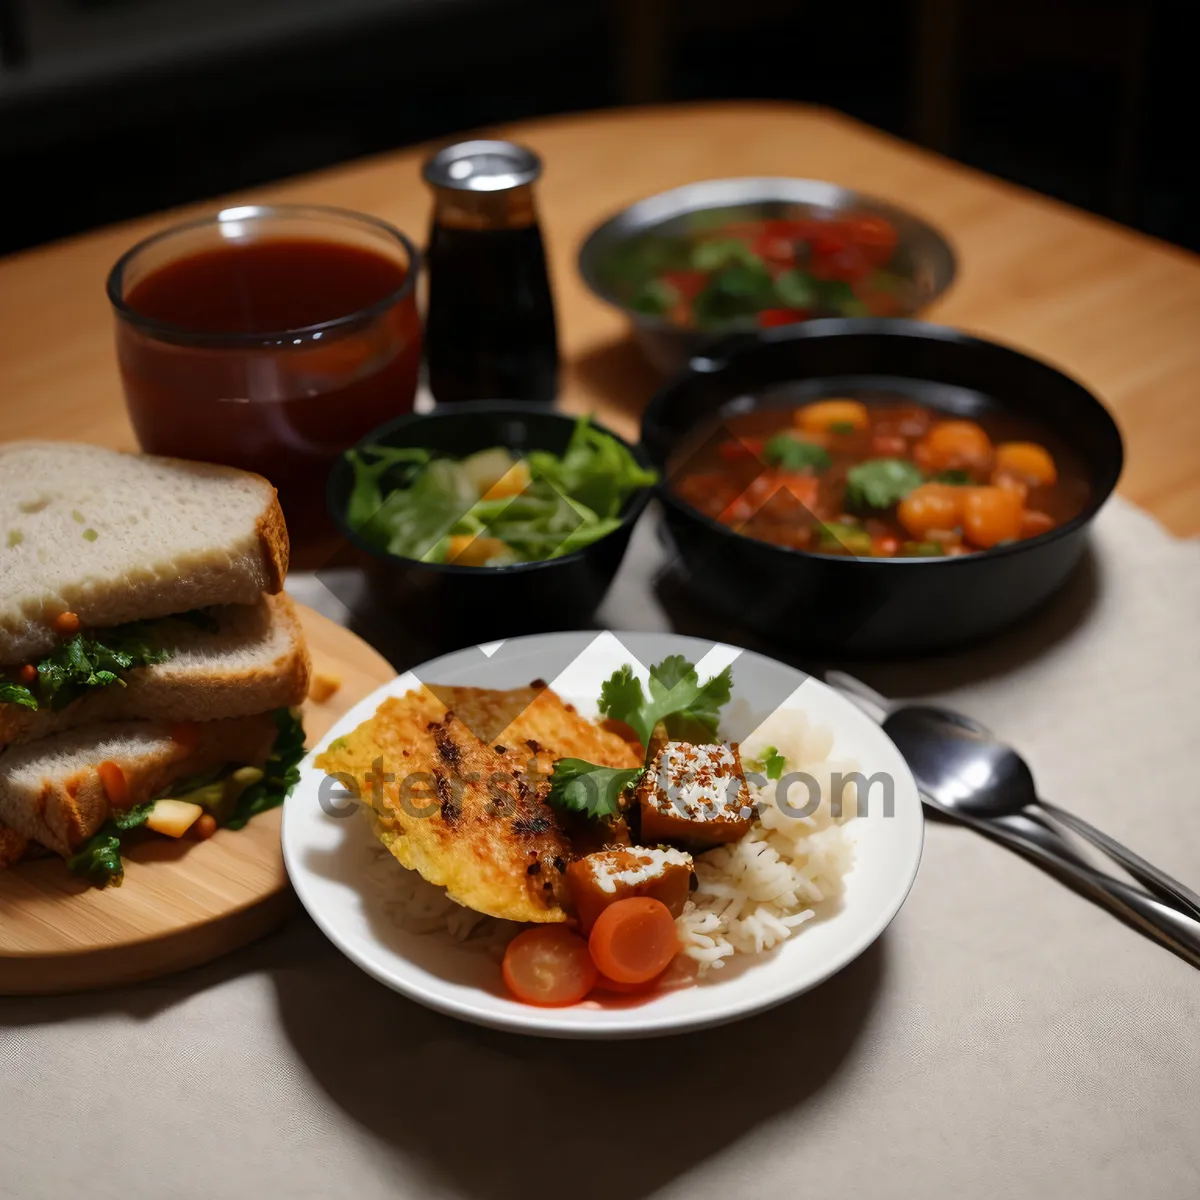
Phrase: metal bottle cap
(482, 166)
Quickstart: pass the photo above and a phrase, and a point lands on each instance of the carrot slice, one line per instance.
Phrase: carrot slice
(549, 966)
(633, 940)
(114, 783)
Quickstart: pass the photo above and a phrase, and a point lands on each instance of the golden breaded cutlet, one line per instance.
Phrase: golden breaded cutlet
(467, 811)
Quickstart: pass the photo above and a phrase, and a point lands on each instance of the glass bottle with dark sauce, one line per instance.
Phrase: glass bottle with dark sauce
(490, 331)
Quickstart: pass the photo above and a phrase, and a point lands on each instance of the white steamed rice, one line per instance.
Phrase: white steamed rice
(755, 893)
(752, 895)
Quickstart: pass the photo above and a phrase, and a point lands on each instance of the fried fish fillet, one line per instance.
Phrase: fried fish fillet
(453, 782)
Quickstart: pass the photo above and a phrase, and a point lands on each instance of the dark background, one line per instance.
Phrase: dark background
(113, 108)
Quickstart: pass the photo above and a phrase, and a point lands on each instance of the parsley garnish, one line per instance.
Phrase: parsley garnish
(676, 697)
(792, 454)
(690, 710)
(582, 787)
(879, 483)
(771, 763)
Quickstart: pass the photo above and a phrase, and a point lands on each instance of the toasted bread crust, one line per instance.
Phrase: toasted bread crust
(275, 543)
(70, 808)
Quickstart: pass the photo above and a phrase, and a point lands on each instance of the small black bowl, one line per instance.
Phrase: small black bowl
(473, 604)
(875, 606)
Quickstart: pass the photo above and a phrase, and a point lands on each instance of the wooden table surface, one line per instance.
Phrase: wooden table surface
(1117, 310)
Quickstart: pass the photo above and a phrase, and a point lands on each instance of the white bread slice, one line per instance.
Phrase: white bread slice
(257, 661)
(168, 536)
(50, 791)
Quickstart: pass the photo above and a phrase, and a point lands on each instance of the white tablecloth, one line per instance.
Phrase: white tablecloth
(1004, 1038)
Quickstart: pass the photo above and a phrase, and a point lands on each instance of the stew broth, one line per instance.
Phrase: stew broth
(886, 477)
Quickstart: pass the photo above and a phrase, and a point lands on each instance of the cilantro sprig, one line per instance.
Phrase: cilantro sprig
(770, 763)
(583, 787)
(676, 698)
(689, 709)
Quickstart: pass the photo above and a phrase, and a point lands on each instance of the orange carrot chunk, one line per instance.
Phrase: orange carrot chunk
(991, 515)
(634, 940)
(66, 623)
(114, 783)
(548, 966)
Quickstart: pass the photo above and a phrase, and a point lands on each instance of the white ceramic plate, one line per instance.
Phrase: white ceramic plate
(327, 855)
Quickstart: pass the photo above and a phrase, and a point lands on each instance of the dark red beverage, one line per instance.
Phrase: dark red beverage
(268, 339)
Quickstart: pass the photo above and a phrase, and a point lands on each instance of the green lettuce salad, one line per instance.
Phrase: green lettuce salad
(493, 508)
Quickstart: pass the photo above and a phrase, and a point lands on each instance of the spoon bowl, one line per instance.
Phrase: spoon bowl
(969, 772)
(962, 767)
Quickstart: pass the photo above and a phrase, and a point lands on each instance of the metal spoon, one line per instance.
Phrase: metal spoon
(967, 775)
(987, 779)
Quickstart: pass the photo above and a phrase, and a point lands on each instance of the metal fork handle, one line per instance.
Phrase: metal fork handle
(1163, 923)
(1150, 876)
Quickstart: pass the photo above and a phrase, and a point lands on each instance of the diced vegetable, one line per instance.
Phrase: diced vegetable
(1034, 522)
(823, 415)
(114, 783)
(173, 817)
(486, 468)
(205, 827)
(628, 871)
(549, 966)
(836, 537)
(923, 549)
(930, 506)
(954, 445)
(1027, 461)
(633, 940)
(991, 515)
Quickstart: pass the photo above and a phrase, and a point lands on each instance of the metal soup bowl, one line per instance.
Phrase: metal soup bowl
(923, 255)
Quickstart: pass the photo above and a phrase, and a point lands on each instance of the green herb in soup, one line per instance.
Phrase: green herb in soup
(882, 480)
(493, 508)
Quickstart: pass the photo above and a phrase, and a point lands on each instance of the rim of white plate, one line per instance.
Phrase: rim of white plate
(887, 850)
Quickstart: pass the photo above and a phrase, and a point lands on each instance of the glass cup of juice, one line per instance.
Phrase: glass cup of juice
(268, 337)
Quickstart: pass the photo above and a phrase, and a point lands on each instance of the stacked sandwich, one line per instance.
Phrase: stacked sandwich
(149, 660)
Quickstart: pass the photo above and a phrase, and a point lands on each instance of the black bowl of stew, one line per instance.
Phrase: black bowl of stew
(945, 493)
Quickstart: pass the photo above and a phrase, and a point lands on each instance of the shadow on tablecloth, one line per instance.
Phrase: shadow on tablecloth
(495, 1115)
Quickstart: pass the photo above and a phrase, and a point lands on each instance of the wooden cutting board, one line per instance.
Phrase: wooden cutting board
(183, 902)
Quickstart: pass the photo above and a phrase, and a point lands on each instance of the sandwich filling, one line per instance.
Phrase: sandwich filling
(90, 660)
(232, 794)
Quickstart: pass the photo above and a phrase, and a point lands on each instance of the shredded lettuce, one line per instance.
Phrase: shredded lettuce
(411, 504)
